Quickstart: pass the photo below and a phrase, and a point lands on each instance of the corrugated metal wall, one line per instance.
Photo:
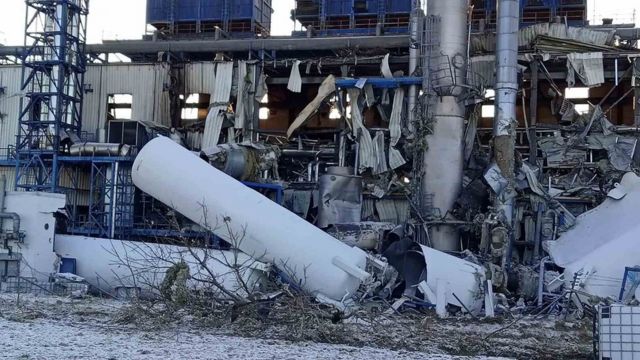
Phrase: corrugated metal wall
(10, 80)
(145, 82)
(199, 78)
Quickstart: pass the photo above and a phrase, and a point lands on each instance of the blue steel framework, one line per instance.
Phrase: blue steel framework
(52, 81)
(109, 198)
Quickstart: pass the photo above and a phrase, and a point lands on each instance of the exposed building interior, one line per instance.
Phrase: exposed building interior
(479, 131)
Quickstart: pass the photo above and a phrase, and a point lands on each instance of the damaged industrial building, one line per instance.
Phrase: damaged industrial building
(465, 156)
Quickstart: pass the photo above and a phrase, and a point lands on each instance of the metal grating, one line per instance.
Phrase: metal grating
(618, 332)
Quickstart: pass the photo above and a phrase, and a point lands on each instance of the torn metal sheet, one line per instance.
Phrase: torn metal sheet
(369, 95)
(620, 150)
(385, 69)
(298, 201)
(340, 197)
(393, 211)
(366, 153)
(470, 134)
(326, 89)
(587, 66)
(464, 280)
(219, 103)
(241, 95)
(528, 36)
(395, 121)
(495, 179)
(395, 158)
(602, 243)
(532, 179)
(485, 67)
(380, 152)
(367, 235)
(295, 80)
(558, 153)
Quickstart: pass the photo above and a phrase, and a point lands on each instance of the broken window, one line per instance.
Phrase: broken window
(488, 111)
(489, 94)
(195, 106)
(263, 112)
(576, 93)
(582, 109)
(119, 106)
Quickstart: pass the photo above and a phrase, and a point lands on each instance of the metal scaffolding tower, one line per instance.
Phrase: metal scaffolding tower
(52, 83)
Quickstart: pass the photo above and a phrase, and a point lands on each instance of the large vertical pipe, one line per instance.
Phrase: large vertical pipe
(444, 159)
(506, 96)
(414, 54)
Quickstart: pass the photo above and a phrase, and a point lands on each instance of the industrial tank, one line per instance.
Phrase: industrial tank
(262, 229)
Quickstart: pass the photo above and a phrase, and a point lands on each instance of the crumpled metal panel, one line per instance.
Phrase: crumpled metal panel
(340, 197)
(298, 201)
(295, 80)
(528, 35)
(241, 95)
(587, 66)
(558, 153)
(395, 122)
(485, 66)
(393, 211)
(379, 150)
(395, 158)
(327, 88)
(366, 151)
(219, 102)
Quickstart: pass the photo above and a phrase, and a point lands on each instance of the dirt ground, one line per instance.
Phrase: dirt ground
(53, 327)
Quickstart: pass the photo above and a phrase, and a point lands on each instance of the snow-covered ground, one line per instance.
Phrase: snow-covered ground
(92, 328)
(51, 339)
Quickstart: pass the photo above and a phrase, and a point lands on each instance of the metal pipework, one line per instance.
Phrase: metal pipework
(99, 149)
(15, 218)
(444, 160)
(506, 96)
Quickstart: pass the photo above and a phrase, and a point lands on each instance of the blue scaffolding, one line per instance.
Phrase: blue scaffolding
(52, 81)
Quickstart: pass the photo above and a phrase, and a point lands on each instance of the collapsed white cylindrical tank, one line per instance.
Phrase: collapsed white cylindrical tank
(109, 264)
(464, 280)
(248, 220)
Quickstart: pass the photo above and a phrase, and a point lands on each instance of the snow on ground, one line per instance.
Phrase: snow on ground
(58, 328)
